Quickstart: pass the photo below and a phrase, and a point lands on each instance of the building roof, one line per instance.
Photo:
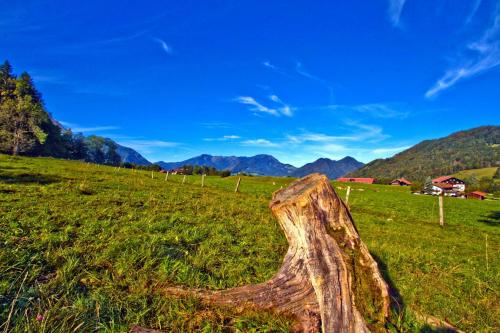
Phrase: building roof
(441, 179)
(443, 186)
(479, 193)
(402, 180)
(356, 180)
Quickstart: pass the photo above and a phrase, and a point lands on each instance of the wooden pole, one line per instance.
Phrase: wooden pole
(487, 264)
(152, 175)
(202, 180)
(441, 211)
(237, 185)
(166, 176)
(347, 195)
(184, 179)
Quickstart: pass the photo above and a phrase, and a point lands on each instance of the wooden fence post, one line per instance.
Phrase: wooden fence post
(152, 175)
(441, 211)
(486, 249)
(184, 179)
(347, 195)
(237, 185)
(202, 180)
(166, 176)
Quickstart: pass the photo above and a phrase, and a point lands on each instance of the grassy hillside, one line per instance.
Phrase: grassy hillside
(88, 248)
(484, 172)
(471, 149)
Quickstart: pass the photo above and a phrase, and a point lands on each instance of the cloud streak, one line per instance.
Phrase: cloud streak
(376, 110)
(164, 46)
(395, 10)
(224, 138)
(281, 109)
(260, 143)
(484, 55)
(83, 129)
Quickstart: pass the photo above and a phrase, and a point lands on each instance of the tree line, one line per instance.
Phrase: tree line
(26, 128)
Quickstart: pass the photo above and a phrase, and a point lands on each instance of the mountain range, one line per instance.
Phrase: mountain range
(331, 168)
(471, 149)
(268, 165)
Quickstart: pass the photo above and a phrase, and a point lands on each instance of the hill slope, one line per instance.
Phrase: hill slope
(105, 241)
(471, 149)
(332, 169)
(129, 155)
(258, 164)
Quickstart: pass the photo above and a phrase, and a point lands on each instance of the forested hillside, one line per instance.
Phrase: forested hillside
(472, 149)
(26, 128)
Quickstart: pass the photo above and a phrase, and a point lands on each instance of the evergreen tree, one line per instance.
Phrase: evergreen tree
(21, 114)
(428, 185)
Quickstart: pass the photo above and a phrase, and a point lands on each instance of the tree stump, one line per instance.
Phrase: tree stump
(328, 279)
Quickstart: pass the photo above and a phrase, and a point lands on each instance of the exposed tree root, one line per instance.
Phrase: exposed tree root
(328, 279)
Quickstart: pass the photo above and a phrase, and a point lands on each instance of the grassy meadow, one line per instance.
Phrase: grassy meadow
(484, 172)
(87, 248)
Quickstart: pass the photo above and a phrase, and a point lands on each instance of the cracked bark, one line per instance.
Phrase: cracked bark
(328, 280)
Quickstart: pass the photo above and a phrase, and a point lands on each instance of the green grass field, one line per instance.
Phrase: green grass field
(484, 172)
(86, 248)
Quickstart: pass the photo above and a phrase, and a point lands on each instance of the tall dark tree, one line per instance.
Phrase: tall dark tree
(21, 114)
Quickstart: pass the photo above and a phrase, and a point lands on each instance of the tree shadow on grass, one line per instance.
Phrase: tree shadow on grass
(428, 329)
(492, 218)
(397, 303)
(28, 178)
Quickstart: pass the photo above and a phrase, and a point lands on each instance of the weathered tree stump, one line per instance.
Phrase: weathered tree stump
(328, 279)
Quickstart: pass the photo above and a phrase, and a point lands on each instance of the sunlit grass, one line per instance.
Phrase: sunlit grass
(95, 243)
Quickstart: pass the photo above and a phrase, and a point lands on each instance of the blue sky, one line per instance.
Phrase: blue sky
(296, 79)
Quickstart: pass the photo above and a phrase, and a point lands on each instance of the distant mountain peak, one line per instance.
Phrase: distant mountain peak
(331, 168)
(261, 164)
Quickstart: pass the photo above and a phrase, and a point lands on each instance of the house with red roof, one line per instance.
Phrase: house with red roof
(401, 182)
(356, 180)
(477, 195)
(448, 185)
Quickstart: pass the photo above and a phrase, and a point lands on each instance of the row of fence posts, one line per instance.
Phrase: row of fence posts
(348, 192)
(236, 189)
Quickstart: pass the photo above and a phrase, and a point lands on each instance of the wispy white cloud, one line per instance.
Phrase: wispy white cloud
(359, 132)
(285, 109)
(481, 56)
(275, 68)
(223, 138)
(299, 68)
(281, 109)
(260, 143)
(256, 106)
(300, 71)
(395, 10)
(84, 129)
(475, 6)
(377, 110)
(165, 47)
